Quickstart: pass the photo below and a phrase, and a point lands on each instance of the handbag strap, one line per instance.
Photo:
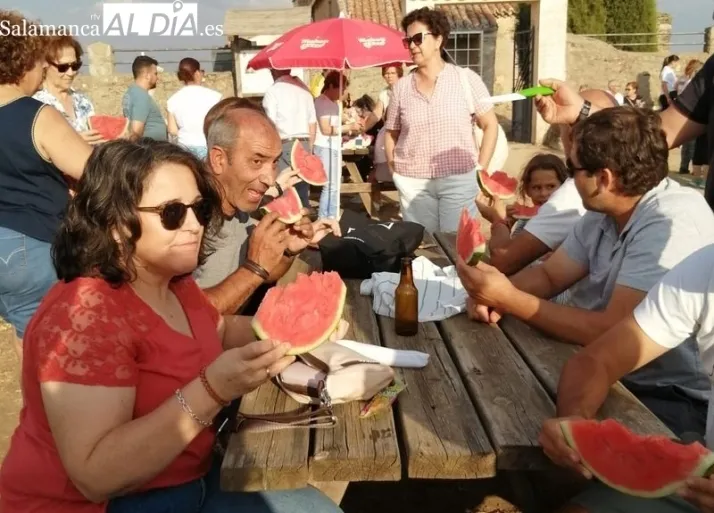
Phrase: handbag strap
(319, 418)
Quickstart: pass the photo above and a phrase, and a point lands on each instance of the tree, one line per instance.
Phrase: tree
(587, 16)
(632, 17)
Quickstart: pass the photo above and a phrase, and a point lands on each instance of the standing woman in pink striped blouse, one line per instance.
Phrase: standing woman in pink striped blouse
(429, 142)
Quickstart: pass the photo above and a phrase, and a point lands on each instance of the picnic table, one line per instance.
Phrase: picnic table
(369, 192)
(476, 409)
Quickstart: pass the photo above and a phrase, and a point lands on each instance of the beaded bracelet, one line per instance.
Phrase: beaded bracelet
(187, 409)
(209, 389)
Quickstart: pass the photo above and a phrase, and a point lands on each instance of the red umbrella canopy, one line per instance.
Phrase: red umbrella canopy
(334, 43)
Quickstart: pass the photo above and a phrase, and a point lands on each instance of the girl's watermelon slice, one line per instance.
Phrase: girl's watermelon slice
(470, 242)
(643, 466)
(288, 206)
(303, 313)
(109, 127)
(497, 184)
(521, 211)
(309, 166)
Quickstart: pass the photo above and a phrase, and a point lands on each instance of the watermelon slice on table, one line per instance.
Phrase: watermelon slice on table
(288, 206)
(643, 466)
(470, 242)
(521, 211)
(303, 313)
(309, 166)
(109, 127)
(497, 184)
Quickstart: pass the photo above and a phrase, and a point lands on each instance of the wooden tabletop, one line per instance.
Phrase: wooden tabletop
(475, 409)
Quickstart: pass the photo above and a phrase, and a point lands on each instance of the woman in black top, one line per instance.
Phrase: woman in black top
(40, 153)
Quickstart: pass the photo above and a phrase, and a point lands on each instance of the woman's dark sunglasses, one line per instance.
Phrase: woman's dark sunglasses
(173, 214)
(417, 39)
(64, 68)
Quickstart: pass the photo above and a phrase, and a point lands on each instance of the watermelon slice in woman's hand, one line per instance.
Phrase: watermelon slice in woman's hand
(109, 127)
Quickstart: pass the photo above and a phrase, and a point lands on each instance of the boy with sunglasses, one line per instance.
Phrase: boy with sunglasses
(640, 224)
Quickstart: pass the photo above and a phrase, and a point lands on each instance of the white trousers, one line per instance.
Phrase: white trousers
(436, 203)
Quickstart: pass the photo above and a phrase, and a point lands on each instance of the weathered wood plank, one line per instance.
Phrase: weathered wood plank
(266, 461)
(547, 357)
(510, 400)
(442, 433)
(357, 449)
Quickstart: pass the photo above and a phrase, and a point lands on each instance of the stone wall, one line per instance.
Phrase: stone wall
(593, 63)
(106, 91)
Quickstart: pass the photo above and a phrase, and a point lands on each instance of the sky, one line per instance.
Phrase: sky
(689, 16)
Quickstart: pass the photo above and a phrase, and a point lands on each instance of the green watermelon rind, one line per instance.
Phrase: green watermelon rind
(301, 173)
(476, 256)
(488, 192)
(701, 469)
(289, 219)
(263, 334)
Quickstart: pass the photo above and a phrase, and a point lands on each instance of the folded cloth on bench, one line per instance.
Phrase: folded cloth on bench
(441, 294)
(387, 356)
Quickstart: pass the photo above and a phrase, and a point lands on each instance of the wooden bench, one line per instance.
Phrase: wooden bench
(370, 192)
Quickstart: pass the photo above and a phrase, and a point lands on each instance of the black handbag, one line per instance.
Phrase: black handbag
(368, 246)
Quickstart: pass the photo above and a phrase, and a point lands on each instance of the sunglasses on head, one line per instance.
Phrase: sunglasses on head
(417, 39)
(173, 214)
(64, 68)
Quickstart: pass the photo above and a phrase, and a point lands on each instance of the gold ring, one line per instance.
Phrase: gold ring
(267, 369)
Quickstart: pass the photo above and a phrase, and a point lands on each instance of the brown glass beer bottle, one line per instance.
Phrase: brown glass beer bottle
(406, 302)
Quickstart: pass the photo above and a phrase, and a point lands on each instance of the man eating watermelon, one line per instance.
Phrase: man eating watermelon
(677, 310)
(243, 150)
(638, 226)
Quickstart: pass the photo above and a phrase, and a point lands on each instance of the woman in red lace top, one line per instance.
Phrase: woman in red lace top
(126, 363)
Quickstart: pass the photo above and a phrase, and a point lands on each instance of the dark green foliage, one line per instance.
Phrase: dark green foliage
(632, 17)
(587, 16)
(616, 17)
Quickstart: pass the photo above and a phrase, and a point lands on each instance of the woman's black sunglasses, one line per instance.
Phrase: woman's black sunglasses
(173, 214)
(64, 68)
(417, 39)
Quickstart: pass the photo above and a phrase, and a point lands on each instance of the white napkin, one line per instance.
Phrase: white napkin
(441, 294)
(387, 356)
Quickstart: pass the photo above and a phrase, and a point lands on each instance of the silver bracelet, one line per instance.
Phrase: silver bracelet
(185, 407)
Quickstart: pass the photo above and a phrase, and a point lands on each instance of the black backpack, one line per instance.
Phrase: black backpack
(368, 246)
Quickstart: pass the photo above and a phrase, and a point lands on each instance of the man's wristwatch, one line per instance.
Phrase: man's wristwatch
(584, 112)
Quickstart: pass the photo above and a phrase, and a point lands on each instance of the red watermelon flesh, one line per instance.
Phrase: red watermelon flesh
(521, 211)
(303, 313)
(470, 242)
(288, 206)
(643, 466)
(109, 127)
(497, 184)
(309, 167)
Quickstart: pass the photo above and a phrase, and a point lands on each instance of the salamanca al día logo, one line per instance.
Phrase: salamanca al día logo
(154, 19)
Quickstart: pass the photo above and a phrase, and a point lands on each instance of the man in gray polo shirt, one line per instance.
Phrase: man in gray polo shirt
(640, 224)
(243, 148)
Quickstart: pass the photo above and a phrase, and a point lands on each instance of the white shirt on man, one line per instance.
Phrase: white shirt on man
(556, 218)
(680, 308)
(291, 106)
(189, 106)
(328, 110)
